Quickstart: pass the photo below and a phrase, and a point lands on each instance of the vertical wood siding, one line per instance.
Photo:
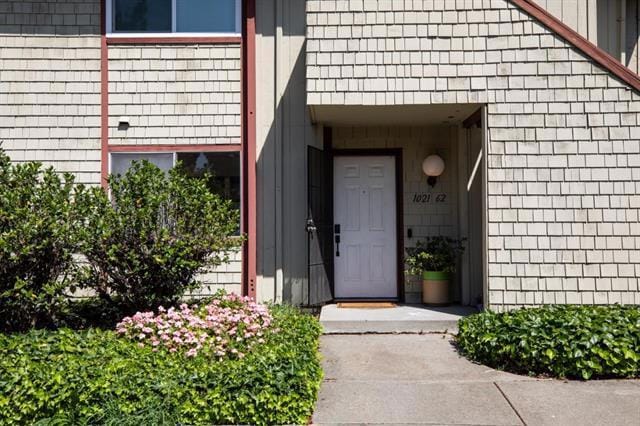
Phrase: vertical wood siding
(601, 21)
(284, 131)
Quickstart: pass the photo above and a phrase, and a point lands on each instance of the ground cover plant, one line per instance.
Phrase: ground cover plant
(580, 342)
(106, 377)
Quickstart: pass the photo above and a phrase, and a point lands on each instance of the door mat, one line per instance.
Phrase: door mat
(366, 305)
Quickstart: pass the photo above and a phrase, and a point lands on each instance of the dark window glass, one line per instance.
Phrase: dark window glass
(206, 16)
(224, 168)
(142, 16)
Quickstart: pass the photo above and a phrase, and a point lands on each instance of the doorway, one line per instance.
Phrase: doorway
(367, 247)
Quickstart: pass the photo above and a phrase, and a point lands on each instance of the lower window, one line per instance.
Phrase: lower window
(223, 166)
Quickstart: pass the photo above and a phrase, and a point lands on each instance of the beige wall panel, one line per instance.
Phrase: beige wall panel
(175, 94)
(632, 36)
(284, 131)
(50, 84)
(265, 137)
(574, 13)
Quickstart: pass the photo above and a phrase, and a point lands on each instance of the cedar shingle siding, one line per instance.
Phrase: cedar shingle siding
(175, 94)
(50, 84)
(564, 150)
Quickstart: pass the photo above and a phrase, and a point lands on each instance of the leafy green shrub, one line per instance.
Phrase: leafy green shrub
(83, 313)
(146, 242)
(39, 225)
(94, 377)
(563, 341)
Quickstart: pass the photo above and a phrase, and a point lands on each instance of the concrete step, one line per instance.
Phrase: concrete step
(400, 319)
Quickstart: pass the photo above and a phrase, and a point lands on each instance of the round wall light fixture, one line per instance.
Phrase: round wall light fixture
(433, 166)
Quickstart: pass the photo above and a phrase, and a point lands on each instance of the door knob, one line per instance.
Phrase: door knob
(311, 226)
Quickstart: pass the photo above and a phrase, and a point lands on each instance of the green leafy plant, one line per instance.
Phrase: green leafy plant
(561, 341)
(147, 239)
(39, 231)
(438, 254)
(95, 377)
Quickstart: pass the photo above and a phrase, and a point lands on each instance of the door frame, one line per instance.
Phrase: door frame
(372, 152)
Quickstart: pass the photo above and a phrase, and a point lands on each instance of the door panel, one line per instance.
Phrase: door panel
(474, 245)
(365, 255)
(319, 228)
(352, 208)
(376, 208)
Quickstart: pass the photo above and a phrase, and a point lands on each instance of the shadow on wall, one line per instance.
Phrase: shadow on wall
(285, 130)
(52, 17)
(617, 30)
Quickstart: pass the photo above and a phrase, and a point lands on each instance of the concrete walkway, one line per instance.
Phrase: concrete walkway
(399, 319)
(420, 379)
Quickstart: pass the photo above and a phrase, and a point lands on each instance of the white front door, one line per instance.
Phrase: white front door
(365, 259)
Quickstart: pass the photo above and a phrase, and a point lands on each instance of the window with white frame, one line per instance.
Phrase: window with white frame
(223, 168)
(164, 17)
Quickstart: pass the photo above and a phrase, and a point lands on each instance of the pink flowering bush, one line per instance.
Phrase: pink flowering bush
(227, 326)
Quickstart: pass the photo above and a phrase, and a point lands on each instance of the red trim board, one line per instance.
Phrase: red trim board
(104, 96)
(174, 148)
(173, 40)
(249, 145)
(592, 51)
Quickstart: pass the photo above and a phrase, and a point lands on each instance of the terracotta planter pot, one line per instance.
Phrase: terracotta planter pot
(435, 288)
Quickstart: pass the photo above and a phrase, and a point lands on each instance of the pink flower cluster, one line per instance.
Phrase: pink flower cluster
(228, 326)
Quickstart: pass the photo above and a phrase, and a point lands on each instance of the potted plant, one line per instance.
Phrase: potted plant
(435, 260)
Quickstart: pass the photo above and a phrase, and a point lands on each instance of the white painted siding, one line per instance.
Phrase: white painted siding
(50, 84)
(564, 135)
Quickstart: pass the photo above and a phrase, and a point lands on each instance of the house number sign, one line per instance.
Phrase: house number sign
(424, 197)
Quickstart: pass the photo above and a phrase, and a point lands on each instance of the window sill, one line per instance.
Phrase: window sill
(173, 38)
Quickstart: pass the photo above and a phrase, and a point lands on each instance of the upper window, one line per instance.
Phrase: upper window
(175, 16)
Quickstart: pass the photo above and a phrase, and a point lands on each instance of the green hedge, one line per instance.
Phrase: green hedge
(561, 341)
(94, 377)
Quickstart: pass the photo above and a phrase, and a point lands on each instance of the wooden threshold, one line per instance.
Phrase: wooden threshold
(367, 305)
